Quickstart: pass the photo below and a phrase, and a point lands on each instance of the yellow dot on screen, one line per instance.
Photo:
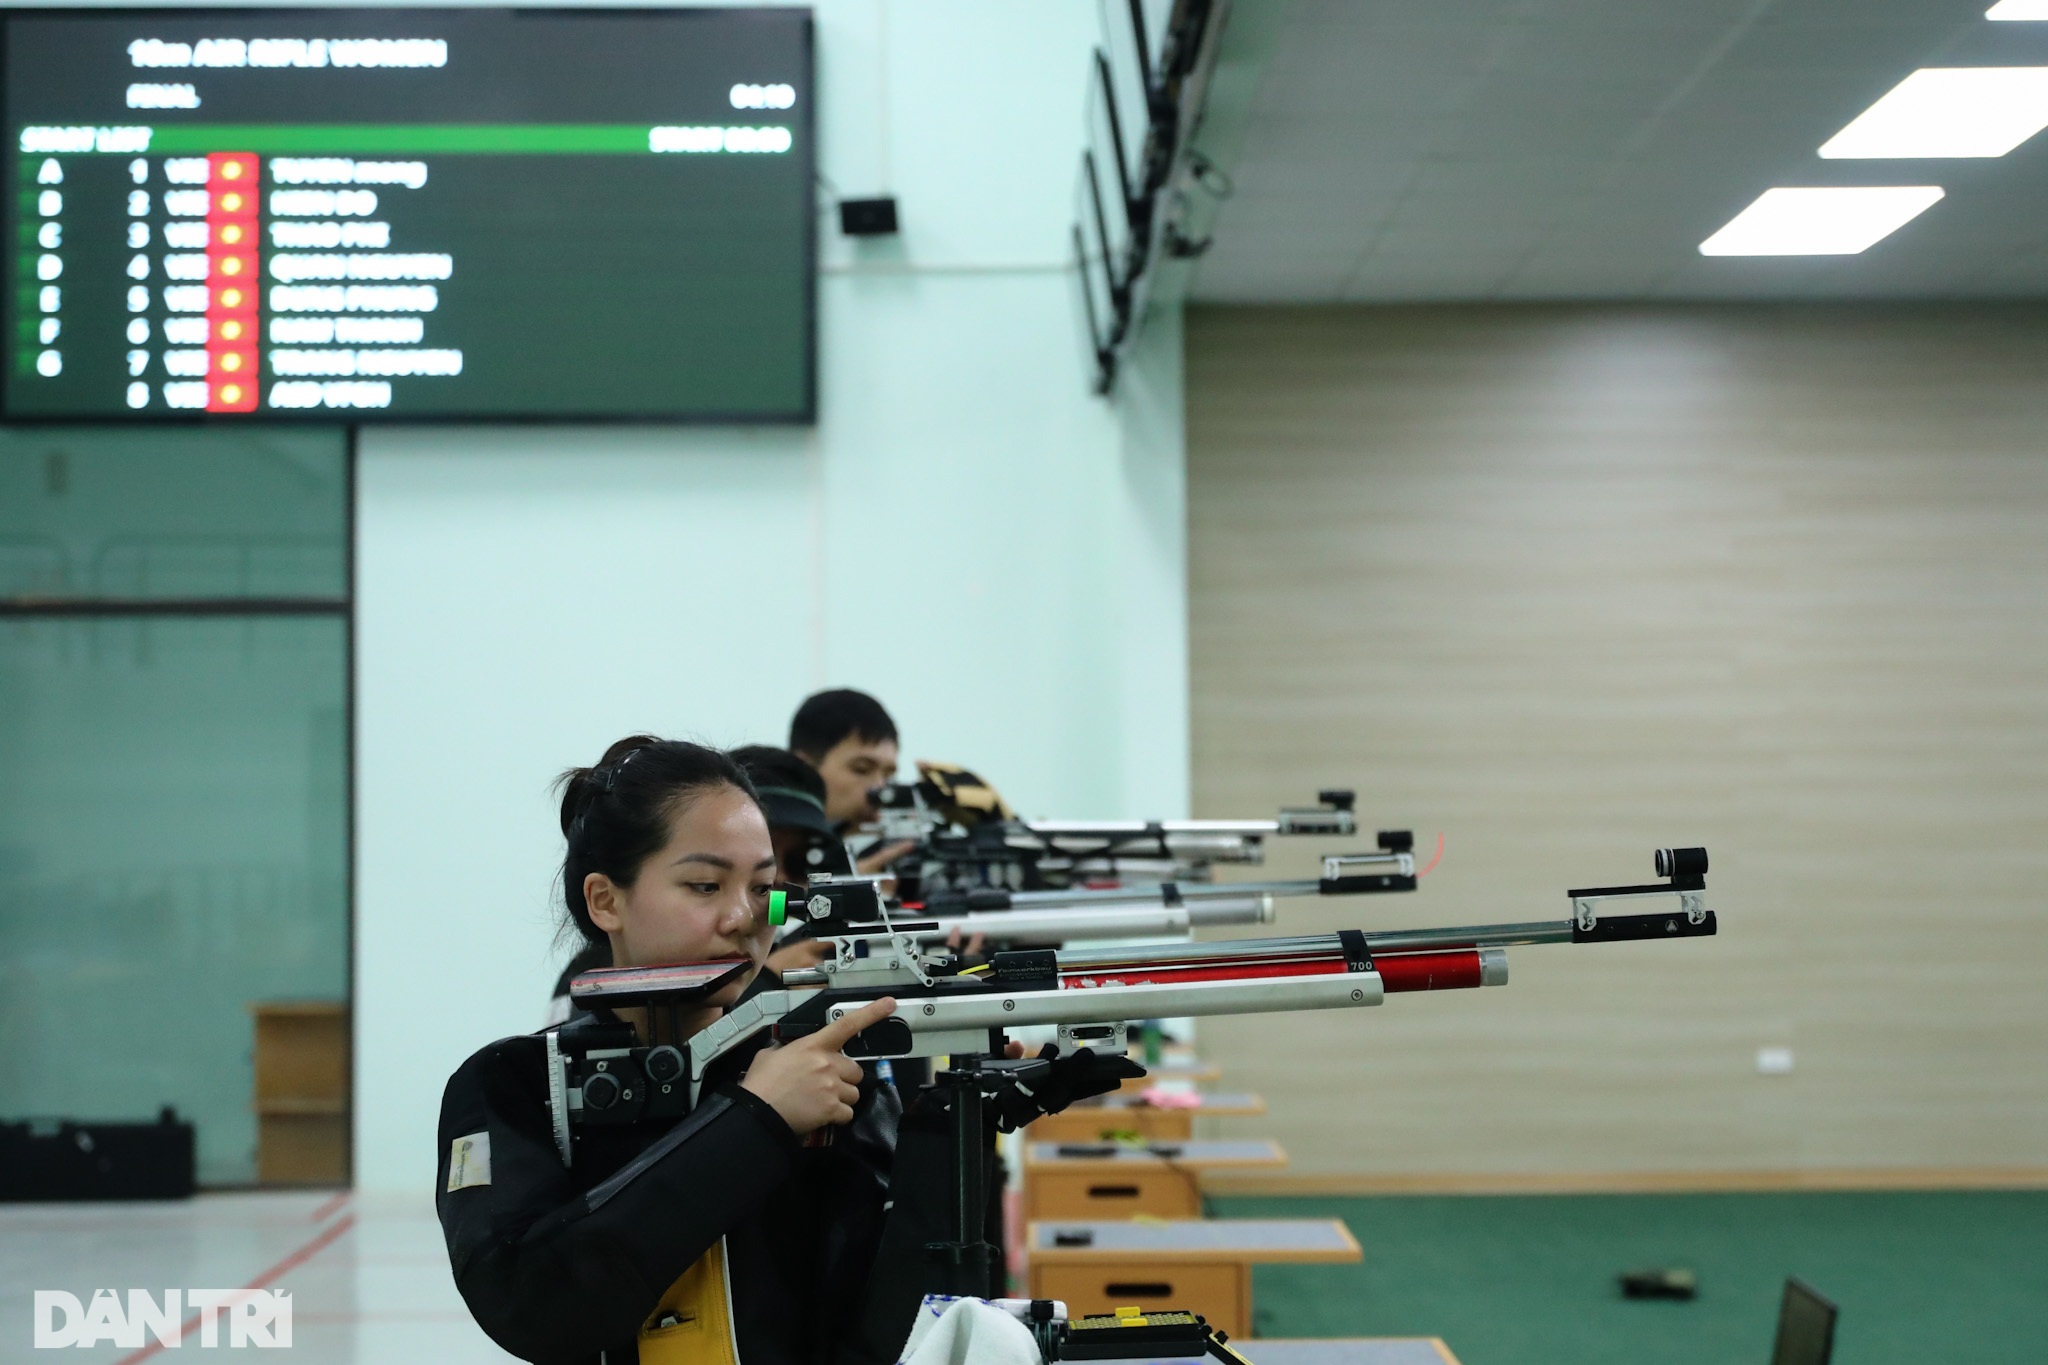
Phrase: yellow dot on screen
(231, 298)
(231, 330)
(231, 393)
(231, 170)
(231, 202)
(231, 234)
(231, 361)
(231, 266)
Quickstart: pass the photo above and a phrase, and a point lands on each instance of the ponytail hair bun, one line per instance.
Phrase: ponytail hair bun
(582, 786)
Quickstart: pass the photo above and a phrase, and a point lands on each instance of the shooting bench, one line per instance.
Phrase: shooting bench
(1199, 1265)
(1112, 1180)
(1123, 1112)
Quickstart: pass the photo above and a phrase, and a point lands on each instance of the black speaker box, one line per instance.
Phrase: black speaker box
(868, 217)
(65, 1160)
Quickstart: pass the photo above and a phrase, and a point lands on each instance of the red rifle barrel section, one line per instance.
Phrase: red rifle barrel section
(1457, 969)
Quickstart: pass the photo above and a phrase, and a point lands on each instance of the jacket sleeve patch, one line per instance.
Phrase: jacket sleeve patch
(469, 1161)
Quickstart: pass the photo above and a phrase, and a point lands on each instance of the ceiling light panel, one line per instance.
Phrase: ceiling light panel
(2018, 9)
(1820, 221)
(1949, 112)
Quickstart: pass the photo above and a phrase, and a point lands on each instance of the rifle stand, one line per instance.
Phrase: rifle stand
(966, 1261)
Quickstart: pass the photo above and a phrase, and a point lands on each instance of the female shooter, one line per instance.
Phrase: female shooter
(700, 1241)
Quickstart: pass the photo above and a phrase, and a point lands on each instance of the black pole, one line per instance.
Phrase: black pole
(966, 1260)
(970, 1205)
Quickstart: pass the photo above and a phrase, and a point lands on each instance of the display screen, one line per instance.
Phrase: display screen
(406, 214)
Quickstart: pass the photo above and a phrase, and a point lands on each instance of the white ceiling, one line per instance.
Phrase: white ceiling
(1562, 149)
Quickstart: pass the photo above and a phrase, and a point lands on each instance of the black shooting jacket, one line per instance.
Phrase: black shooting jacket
(562, 1265)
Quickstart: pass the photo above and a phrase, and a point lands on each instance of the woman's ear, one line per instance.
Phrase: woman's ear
(605, 901)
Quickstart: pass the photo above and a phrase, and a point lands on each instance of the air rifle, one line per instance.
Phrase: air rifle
(853, 910)
(968, 840)
(1090, 993)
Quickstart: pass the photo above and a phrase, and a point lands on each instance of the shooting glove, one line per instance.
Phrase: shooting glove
(961, 796)
(1077, 1077)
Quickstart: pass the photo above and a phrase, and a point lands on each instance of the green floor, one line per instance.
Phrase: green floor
(1922, 1279)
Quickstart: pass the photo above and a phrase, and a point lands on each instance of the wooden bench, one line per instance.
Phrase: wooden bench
(1204, 1266)
(1121, 1181)
(1123, 1113)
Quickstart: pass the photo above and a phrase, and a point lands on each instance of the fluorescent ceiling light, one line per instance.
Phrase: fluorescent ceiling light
(2018, 9)
(1836, 221)
(1949, 111)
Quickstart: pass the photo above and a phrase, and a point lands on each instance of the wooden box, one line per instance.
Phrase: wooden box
(302, 1093)
(1094, 1123)
(1220, 1293)
(1132, 1182)
(1148, 1192)
(1103, 1120)
(1203, 1267)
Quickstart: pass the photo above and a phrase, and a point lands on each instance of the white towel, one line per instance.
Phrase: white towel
(951, 1331)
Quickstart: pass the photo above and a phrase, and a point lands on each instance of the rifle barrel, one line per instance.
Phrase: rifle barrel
(1144, 1001)
(1391, 863)
(1323, 945)
(1156, 895)
(1132, 919)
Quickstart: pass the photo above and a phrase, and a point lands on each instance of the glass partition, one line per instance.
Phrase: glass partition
(188, 512)
(173, 766)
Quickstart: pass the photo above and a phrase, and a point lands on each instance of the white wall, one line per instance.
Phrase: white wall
(965, 533)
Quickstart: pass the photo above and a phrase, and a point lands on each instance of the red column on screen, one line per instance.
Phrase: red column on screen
(233, 279)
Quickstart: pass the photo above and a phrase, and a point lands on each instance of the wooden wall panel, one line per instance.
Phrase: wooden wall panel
(1569, 584)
